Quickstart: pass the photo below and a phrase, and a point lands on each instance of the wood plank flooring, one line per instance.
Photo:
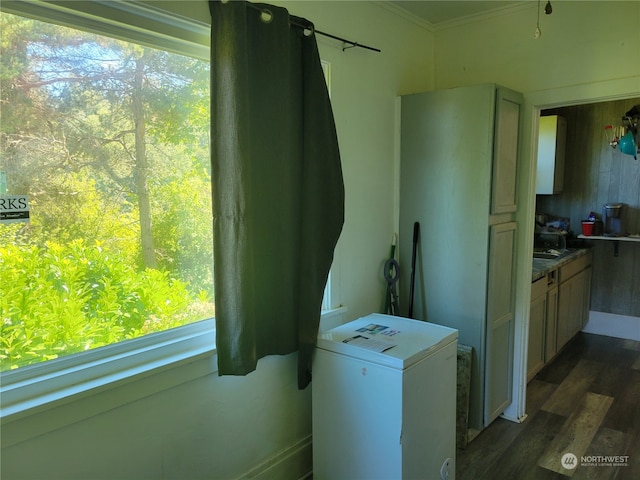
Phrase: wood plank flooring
(585, 402)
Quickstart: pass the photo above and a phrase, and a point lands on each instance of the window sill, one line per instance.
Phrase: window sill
(31, 389)
(36, 388)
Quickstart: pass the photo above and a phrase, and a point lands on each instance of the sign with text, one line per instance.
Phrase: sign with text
(14, 208)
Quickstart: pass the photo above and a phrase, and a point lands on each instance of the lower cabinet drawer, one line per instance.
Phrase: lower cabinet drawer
(570, 269)
(538, 288)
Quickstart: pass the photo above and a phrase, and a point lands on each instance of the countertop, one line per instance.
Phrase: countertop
(542, 266)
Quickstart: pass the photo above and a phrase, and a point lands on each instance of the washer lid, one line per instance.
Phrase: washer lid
(393, 341)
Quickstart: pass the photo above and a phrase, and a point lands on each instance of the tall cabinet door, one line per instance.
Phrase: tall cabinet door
(500, 306)
(500, 320)
(505, 153)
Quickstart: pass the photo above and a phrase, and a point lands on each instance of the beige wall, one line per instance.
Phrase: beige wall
(582, 42)
(364, 86)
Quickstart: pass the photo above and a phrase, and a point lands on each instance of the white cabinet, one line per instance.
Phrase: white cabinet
(459, 150)
(551, 152)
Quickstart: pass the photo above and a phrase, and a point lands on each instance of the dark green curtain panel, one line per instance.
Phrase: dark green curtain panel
(278, 193)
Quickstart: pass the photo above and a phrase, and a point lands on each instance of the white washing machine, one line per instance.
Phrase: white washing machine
(384, 400)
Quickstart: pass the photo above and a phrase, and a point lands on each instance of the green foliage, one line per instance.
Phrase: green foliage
(62, 299)
(184, 228)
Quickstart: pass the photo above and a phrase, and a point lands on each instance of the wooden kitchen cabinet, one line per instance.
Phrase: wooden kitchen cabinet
(536, 353)
(551, 323)
(551, 152)
(542, 323)
(559, 309)
(573, 298)
(459, 150)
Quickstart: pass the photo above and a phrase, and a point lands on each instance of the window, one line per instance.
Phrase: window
(110, 141)
(85, 216)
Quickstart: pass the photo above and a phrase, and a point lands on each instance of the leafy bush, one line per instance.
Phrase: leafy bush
(183, 228)
(62, 299)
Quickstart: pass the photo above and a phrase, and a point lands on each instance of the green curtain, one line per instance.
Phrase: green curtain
(278, 193)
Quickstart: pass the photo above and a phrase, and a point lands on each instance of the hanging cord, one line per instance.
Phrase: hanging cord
(308, 28)
(537, 33)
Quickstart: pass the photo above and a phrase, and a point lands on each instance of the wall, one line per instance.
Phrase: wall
(582, 43)
(188, 423)
(596, 174)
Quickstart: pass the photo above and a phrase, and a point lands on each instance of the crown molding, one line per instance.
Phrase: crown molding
(476, 17)
(390, 6)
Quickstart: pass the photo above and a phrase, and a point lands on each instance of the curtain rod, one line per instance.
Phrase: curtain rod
(307, 25)
(344, 40)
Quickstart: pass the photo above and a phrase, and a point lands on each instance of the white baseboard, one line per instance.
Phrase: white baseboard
(295, 462)
(613, 325)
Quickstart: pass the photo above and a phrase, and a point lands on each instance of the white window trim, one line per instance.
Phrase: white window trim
(33, 388)
(29, 389)
(129, 21)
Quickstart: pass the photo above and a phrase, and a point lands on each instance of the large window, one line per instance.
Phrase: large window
(110, 141)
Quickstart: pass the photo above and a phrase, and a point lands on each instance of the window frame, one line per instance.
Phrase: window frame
(132, 22)
(31, 388)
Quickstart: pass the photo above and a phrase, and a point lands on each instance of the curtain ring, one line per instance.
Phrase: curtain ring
(310, 30)
(266, 16)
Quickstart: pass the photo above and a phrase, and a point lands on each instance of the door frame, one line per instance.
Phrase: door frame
(534, 103)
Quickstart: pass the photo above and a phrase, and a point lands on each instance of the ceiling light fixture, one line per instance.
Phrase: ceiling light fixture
(548, 9)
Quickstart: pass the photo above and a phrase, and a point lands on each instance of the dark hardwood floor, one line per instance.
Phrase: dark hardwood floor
(585, 402)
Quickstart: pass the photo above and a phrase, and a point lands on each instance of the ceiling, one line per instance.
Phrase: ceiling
(439, 12)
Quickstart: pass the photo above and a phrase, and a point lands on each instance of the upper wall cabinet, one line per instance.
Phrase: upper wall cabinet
(551, 151)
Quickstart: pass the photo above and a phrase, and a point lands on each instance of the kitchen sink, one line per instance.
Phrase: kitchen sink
(546, 255)
(550, 253)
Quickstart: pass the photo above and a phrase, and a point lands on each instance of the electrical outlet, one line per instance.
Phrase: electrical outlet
(444, 470)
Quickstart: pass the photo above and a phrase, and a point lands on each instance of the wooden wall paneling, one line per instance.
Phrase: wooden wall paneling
(601, 284)
(635, 285)
(574, 151)
(592, 145)
(621, 285)
(604, 155)
(630, 192)
(616, 180)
